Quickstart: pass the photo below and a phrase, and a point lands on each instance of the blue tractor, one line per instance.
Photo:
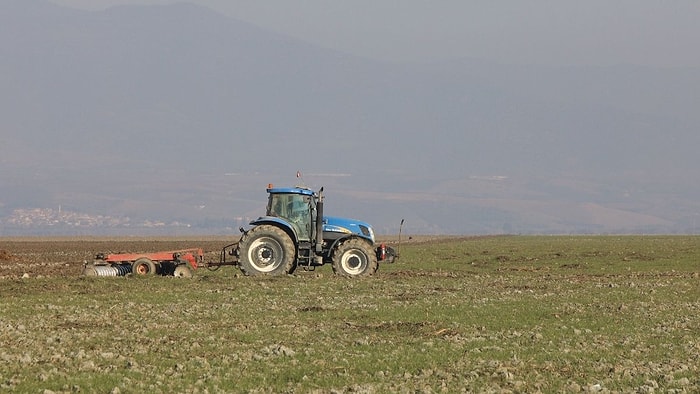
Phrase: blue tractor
(294, 233)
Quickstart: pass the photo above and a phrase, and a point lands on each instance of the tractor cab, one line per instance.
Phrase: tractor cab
(296, 206)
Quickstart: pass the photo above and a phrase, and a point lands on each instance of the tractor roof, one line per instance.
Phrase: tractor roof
(290, 190)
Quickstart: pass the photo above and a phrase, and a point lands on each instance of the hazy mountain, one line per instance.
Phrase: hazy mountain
(177, 113)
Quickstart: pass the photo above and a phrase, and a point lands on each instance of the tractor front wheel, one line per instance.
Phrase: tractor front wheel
(266, 250)
(354, 257)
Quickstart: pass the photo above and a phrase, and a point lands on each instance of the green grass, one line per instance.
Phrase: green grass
(553, 314)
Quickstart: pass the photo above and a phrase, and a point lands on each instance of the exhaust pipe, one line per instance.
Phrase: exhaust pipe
(319, 223)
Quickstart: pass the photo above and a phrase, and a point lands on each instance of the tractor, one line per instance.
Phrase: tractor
(294, 233)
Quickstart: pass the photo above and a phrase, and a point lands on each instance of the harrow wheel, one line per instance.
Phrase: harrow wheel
(143, 266)
(182, 271)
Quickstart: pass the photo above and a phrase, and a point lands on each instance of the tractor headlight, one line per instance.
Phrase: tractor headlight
(367, 232)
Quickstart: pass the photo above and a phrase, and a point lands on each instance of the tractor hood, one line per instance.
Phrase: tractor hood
(348, 226)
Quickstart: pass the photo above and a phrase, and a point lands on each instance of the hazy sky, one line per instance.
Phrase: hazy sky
(561, 32)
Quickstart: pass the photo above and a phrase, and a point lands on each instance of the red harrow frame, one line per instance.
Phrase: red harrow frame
(178, 263)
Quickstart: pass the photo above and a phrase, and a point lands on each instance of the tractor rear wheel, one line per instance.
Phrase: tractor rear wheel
(143, 266)
(354, 257)
(266, 250)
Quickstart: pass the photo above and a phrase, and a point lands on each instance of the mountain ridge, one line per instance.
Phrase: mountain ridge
(142, 111)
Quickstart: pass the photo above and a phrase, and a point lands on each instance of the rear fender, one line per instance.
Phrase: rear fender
(277, 222)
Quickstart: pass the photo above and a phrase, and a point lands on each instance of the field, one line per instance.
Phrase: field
(470, 314)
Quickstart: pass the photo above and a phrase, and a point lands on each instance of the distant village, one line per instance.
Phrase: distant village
(39, 217)
(58, 221)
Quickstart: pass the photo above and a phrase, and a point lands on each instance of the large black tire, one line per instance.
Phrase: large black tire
(354, 257)
(266, 250)
(143, 266)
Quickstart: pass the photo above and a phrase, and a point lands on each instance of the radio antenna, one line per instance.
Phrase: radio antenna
(299, 176)
(398, 252)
